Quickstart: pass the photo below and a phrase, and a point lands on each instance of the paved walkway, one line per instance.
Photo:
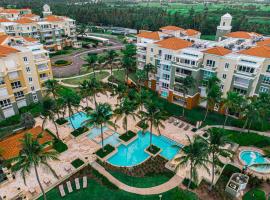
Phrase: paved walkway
(172, 183)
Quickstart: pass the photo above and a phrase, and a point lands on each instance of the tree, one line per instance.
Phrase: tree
(129, 59)
(216, 142)
(120, 91)
(141, 78)
(52, 87)
(153, 115)
(111, 59)
(195, 155)
(141, 97)
(91, 60)
(123, 110)
(48, 111)
(85, 92)
(27, 120)
(95, 87)
(149, 68)
(232, 103)
(71, 102)
(188, 83)
(100, 116)
(32, 155)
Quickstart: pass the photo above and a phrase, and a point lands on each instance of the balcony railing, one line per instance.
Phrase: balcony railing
(241, 84)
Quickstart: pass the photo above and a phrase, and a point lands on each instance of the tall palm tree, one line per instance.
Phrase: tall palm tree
(85, 92)
(100, 116)
(48, 111)
(251, 113)
(111, 59)
(149, 68)
(120, 91)
(129, 59)
(92, 62)
(141, 97)
(141, 78)
(123, 110)
(52, 87)
(195, 155)
(32, 155)
(95, 87)
(188, 83)
(216, 143)
(231, 103)
(153, 115)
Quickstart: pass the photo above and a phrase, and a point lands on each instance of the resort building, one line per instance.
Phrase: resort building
(55, 32)
(24, 67)
(241, 60)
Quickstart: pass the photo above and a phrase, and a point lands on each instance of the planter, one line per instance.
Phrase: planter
(79, 131)
(154, 152)
(127, 139)
(111, 150)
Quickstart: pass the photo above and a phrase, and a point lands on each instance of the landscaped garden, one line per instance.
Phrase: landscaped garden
(62, 63)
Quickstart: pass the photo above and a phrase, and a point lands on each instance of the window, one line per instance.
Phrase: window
(2, 81)
(5, 103)
(28, 70)
(43, 76)
(166, 67)
(159, 52)
(16, 84)
(165, 85)
(226, 65)
(166, 76)
(168, 57)
(246, 69)
(192, 62)
(224, 76)
(32, 88)
(30, 79)
(208, 74)
(152, 50)
(263, 89)
(266, 80)
(185, 61)
(210, 63)
(240, 91)
(183, 71)
(18, 94)
(25, 59)
(222, 87)
(268, 68)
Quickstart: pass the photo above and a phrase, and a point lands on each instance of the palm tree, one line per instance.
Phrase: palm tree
(216, 142)
(195, 155)
(153, 115)
(231, 103)
(71, 102)
(141, 78)
(111, 59)
(141, 97)
(52, 87)
(149, 68)
(251, 112)
(48, 111)
(95, 87)
(92, 62)
(188, 83)
(120, 91)
(100, 116)
(129, 59)
(125, 109)
(85, 92)
(33, 154)
(27, 120)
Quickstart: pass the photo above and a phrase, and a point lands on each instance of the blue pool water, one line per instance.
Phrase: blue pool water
(112, 140)
(134, 154)
(77, 119)
(254, 157)
(95, 131)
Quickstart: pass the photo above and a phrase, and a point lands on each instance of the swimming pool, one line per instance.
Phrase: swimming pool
(95, 131)
(253, 157)
(134, 154)
(77, 119)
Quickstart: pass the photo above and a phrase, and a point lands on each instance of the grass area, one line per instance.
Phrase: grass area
(79, 131)
(248, 139)
(107, 150)
(96, 191)
(150, 180)
(192, 184)
(127, 136)
(255, 194)
(153, 149)
(208, 37)
(76, 81)
(77, 163)
(65, 51)
(61, 63)
(119, 75)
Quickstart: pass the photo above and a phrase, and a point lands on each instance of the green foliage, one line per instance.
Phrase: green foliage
(77, 163)
(13, 120)
(79, 131)
(61, 121)
(255, 194)
(34, 108)
(60, 63)
(106, 150)
(143, 125)
(127, 136)
(153, 149)
(58, 144)
(186, 181)
(104, 180)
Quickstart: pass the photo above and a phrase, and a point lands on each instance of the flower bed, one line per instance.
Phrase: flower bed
(79, 131)
(77, 163)
(107, 150)
(61, 63)
(61, 121)
(127, 136)
(153, 150)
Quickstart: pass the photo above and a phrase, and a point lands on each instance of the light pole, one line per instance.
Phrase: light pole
(160, 196)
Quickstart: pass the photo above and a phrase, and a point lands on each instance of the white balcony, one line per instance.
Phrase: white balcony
(241, 84)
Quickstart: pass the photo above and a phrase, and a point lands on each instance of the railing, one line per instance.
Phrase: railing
(241, 84)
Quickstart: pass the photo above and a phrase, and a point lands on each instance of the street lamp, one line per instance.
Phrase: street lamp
(160, 196)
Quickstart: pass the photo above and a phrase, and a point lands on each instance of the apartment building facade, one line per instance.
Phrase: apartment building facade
(239, 59)
(55, 32)
(24, 67)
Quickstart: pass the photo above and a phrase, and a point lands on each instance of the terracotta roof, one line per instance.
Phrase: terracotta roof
(149, 35)
(172, 28)
(221, 51)
(12, 11)
(29, 39)
(242, 34)
(3, 38)
(30, 15)
(191, 32)
(173, 43)
(24, 21)
(53, 18)
(259, 51)
(5, 50)
(4, 20)
(12, 145)
(264, 42)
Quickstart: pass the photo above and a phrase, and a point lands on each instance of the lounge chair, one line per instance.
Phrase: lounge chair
(84, 182)
(69, 187)
(32, 190)
(171, 120)
(61, 190)
(187, 127)
(181, 125)
(176, 122)
(77, 183)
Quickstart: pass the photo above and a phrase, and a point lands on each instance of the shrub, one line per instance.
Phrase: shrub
(77, 163)
(255, 194)
(205, 134)
(107, 150)
(153, 149)
(79, 131)
(104, 180)
(143, 125)
(34, 108)
(10, 121)
(58, 144)
(62, 63)
(61, 121)
(193, 185)
(127, 136)
(254, 182)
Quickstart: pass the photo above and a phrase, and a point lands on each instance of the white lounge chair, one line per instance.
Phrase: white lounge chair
(176, 122)
(69, 187)
(61, 190)
(84, 182)
(77, 183)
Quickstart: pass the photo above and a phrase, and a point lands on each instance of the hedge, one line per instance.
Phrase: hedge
(192, 184)
(107, 150)
(77, 163)
(58, 144)
(127, 136)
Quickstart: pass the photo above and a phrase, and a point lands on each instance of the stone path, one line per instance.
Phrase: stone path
(172, 183)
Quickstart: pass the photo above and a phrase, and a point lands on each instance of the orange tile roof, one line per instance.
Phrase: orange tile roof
(191, 32)
(11, 146)
(4, 20)
(29, 39)
(24, 20)
(3, 38)
(172, 28)
(5, 50)
(242, 34)
(53, 18)
(149, 35)
(258, 51)
(30, 15)
(221, 51)
(12, 11)
(264, 42)
(173, 43)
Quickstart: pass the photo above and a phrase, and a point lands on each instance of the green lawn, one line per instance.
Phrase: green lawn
(143, 182)
(95, 191)
(76, 81)
(255, 194)
(120, 75)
